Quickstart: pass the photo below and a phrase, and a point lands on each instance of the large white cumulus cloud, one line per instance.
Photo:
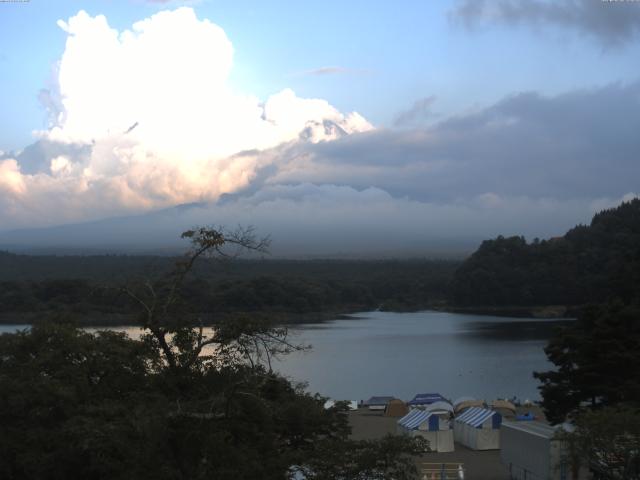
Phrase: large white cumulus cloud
(147, 118)
(160, 119)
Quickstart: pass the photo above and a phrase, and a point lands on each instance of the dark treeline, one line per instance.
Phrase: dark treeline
(590, 264)
(90, 286)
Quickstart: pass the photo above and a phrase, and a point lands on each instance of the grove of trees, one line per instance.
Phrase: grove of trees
(183, 402)
(588, 264)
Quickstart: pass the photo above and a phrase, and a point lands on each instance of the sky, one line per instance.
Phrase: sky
(400, 125)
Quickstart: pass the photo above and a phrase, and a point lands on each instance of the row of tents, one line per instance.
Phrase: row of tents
(467, 420)
(394, 407)
(477, 428)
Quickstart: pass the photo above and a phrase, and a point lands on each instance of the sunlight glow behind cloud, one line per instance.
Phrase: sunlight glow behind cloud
(163, 122)
(148, 118)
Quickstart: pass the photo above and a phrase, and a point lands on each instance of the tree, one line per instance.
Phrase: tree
(597, 360)
(388, 458)
(184, 402)
(591, 263)
(605, 440)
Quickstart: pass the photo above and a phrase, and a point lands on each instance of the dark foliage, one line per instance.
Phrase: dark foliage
(184, 402)
(83, 286)
(597, 360)
(606, 441)
(589, 264)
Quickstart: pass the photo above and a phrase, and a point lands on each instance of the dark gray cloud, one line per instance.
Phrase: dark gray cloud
(609, 22)
(322, 220)
(418, 112)
(37, 157)
(580, 144)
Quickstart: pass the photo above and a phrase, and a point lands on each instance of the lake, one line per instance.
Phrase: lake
(401, 354)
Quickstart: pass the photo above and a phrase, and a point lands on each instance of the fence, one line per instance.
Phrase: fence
(442, 471)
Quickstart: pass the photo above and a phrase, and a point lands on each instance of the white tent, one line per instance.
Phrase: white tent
(440, 407)
(436, 430)
(478, 429)
(459, 400)
(462, 403)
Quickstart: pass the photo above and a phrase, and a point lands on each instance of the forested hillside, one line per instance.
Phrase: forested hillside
(91, 286)
(589, 264)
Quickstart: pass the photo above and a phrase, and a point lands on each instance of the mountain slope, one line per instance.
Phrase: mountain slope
(588, 264)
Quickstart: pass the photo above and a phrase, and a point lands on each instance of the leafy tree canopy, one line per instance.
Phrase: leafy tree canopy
(184, 402)
(589, 264)
(598, 362)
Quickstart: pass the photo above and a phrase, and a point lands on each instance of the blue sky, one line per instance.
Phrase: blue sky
(403, 123)
(393, 53)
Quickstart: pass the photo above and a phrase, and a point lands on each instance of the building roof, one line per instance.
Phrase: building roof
(533, 428)
(426, 399)
(476, 416)
(414, 418)
(378, 401)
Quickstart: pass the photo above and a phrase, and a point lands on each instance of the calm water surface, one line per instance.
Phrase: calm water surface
(400, 354)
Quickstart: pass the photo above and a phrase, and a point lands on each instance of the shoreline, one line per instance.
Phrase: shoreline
(102, 319)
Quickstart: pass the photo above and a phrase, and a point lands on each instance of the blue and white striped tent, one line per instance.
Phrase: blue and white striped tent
(476, 417)
(478, 429)
(420, 420)
(430, 426)
(422, 399)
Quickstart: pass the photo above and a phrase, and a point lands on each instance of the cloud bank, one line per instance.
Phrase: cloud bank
(611, 23)
(146, 119)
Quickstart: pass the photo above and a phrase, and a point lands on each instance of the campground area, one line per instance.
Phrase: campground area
(478, 465)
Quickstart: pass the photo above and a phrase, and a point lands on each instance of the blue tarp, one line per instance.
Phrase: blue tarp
(526, 417)
(426, 399)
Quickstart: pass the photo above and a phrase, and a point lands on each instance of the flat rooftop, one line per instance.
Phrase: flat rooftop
(535, 428)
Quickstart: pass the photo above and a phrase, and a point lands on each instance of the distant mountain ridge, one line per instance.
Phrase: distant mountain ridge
(589, 264)
(158, 233)
(155, 232)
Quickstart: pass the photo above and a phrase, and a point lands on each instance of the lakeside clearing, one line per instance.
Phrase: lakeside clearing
(478, 465)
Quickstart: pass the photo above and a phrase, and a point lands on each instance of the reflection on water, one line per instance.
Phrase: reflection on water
(400, 354)
(518, 330)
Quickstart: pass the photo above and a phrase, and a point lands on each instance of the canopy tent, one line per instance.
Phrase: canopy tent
(462, 399)
(504, 407)
(396, 408)
(461, 407)
(462, 403)
(377, 403)
(436, 430)
(422, 399)
(440, 407)
(478, 429)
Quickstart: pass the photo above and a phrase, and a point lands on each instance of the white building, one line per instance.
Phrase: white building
(531, 451)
